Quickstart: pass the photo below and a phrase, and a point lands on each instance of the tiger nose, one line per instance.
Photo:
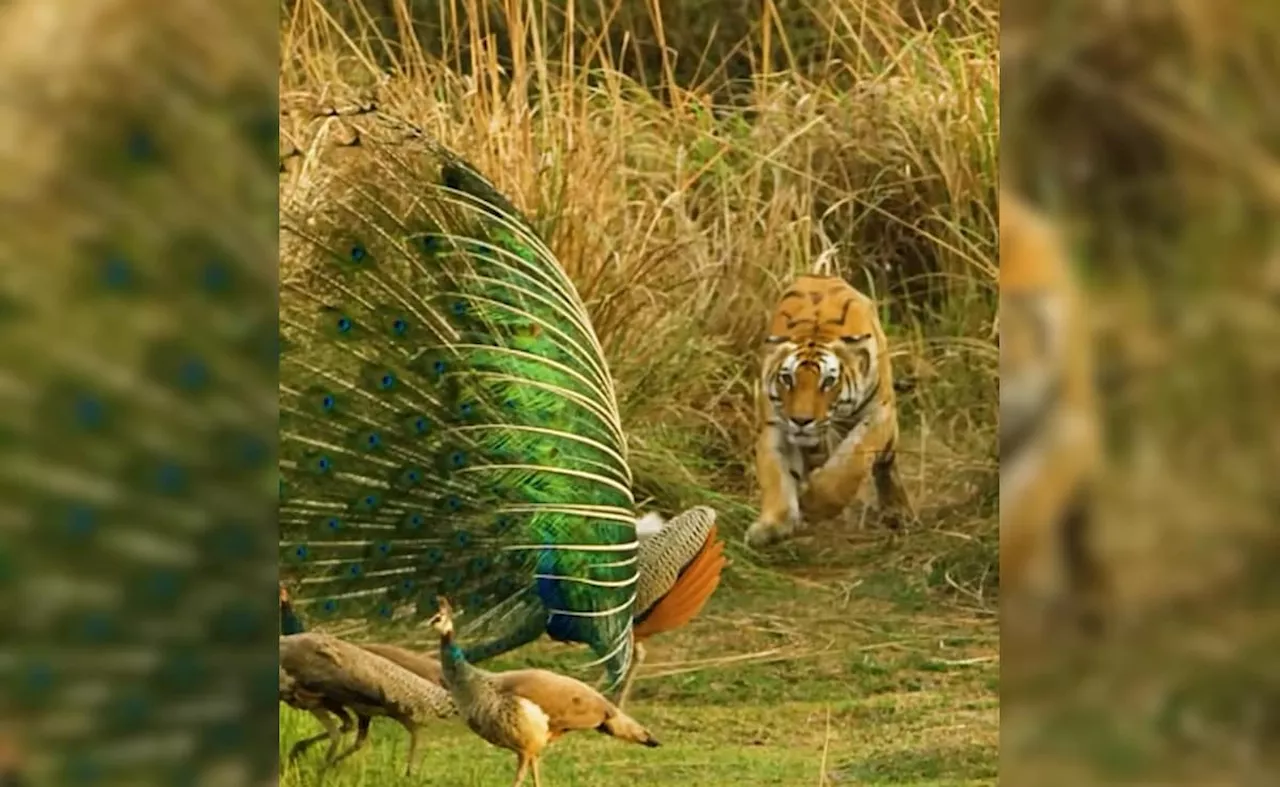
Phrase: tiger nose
(801, 422)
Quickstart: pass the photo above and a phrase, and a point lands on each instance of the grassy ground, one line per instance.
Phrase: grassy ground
(680, 217)
(854, 671)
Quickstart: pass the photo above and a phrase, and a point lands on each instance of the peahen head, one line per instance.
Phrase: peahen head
(442, 621)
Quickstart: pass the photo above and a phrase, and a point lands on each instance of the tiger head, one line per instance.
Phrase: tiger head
(1037, 321)
(821, 359)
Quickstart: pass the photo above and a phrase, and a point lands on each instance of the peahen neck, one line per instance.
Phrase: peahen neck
(290, 623)
(458, 672)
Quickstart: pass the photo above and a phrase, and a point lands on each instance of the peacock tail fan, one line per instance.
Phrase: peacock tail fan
(448, 423)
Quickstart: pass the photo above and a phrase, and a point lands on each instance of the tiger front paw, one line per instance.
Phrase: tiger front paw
(764, 533)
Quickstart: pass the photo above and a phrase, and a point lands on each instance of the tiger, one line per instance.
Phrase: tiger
(1051, 569)
(828, 414)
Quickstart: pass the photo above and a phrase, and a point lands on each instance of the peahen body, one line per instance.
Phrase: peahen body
(448, 424)
(525, 711)
(325, 675)
(322, 706)
(138, 390)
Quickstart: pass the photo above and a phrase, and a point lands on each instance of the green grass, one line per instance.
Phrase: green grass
(781, 679)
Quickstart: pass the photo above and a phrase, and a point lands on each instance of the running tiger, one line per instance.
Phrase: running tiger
(829, 414)
(1049, 432)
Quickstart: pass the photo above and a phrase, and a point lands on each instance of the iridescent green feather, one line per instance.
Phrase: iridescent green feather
(448, 422)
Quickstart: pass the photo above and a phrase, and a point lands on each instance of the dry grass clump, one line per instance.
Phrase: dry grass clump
(679, 218)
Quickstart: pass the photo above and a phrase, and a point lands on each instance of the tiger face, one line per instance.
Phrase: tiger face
(1031, 359)
(812, 381)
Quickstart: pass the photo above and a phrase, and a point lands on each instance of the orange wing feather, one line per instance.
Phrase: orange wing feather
(690, 593)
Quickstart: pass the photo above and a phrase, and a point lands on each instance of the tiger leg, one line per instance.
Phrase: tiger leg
(891, 494)
(834, 486)
(779, 505)
(1049, 565)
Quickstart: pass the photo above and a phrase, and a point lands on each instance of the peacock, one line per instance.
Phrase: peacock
(525, 711)
(448, 424)
(681, 561)
(138, 391)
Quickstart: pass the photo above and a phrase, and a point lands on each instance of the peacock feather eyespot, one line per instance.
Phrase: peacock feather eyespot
(130, 710)
(90, 412)
(170, 478)
(117, 273)
(466, 409)
(358, 252)
(96, 626)
(141, 146)
(370, 503)
(193, 374)
(387, 381)
(354, 570)
(217, 277)
(462, 539)
(81, 521)
(459, 308)
(400, 327)
(439, 367)
(386, 611)
(407, 585)
(421, 425)
(344, 324)
(322, 464)
(458, 460)
(477, 565)
(300, 551)
(384, 548)
(415, 521)
(453, 503)
(329, 606)
(373, 440)
(163, 585)
(328, 402)
(433, 556)
(334, 524)
(475, 600)
(39, 677)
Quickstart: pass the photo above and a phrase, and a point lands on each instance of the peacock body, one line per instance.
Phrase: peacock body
(448, 422)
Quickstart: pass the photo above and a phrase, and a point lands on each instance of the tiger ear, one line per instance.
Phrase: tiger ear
(857, 338)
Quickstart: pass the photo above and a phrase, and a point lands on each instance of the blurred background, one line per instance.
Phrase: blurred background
(1148, 136)
(137, 392)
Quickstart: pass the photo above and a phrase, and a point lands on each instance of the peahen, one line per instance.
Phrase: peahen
(525, 711)
(138, 391)
(448, 425)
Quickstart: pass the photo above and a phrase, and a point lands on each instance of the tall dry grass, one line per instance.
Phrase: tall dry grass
(680, 219)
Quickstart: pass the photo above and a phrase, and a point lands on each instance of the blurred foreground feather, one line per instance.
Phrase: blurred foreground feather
(137, 390)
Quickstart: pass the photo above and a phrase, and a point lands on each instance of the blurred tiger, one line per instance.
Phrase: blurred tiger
(829, 413)
(1050, 452)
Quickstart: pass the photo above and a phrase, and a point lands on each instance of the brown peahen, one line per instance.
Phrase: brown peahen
(323, 674)
(525, 711)
(321, 706)
(448, 422)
